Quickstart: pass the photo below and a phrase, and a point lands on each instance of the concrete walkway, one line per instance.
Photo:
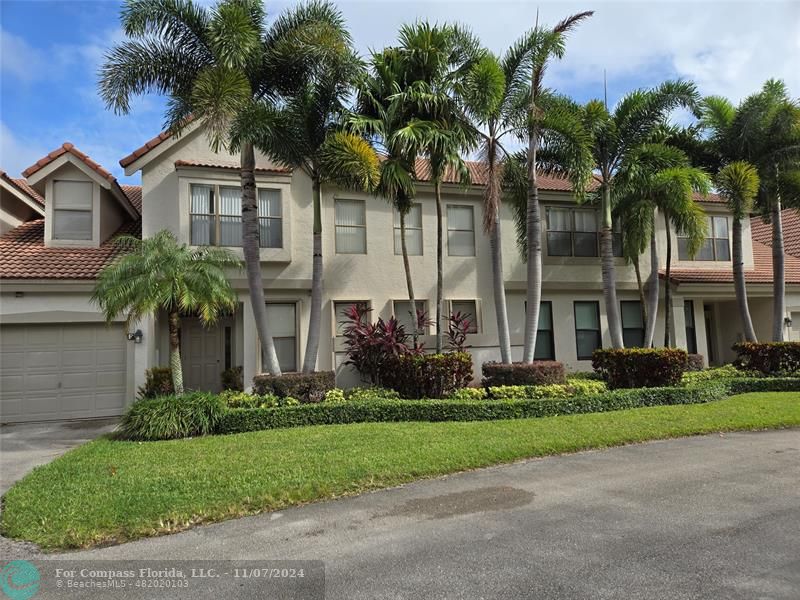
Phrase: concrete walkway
(707, 517)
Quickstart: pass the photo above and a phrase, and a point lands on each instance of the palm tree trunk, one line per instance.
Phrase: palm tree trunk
(778, 276)
(652, 292)
(175, 352)
(640, 287)
(252, 259)
(439, 266)
(739, 283)
(501, 310)
(609, 273)
(668, 286)
(407, 267)
(533, 226)
(315, 318)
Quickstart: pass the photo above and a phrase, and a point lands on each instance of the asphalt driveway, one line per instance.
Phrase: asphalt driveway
(707, 517)
(25, 446)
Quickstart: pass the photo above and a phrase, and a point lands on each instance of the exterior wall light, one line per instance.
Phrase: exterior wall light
(136, 336)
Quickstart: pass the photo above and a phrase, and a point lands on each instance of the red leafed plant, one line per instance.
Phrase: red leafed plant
(458, 325)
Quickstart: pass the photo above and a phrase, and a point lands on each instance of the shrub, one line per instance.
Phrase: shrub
(468, 394)
(334, 395)
(458, 325)
(640, 367)
(172, 417)
(539, 372)
(233, 379)
(306, 387)
(357, 394)
(696, 362)
(234, 399)
(716, 374)
(746, 385)
(240, 420)
(584, 387)
(157, 382)
(427, 375)
(772, 358)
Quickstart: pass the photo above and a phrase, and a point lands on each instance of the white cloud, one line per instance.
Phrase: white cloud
(19, 59)
(18, 153)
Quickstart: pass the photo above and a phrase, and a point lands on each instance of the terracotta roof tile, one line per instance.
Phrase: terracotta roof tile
(23, 187)
(134, 194)
(790, 219)
(761, 273)
(60, 151)
(23, 254)
(148, 145)
(229, 165)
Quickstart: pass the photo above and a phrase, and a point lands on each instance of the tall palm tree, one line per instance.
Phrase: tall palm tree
(538, 47)
(738, 183)
(307, 134)
(617, 135)
(764, 130)
(379, 115)
(224, 69)
(437, 59)
(659, 179)
(158, 274)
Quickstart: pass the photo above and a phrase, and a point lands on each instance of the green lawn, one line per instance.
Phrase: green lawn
(110, 491)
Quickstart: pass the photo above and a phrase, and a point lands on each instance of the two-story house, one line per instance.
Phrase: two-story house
(60, 360)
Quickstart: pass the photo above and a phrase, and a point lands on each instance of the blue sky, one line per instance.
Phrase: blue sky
(50, 52)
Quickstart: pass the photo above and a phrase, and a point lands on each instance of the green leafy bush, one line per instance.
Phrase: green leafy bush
(539, 372)
(771, 358)
(716, 374)
(172, 417)
(157, 382)
(584, 387)
(640, 367)
(358, 394)
(426, 375)
(695, 362)
(764, 384)
(334, 395)
(233, 379)
(468, 394)
(306, 387)
(240, 420)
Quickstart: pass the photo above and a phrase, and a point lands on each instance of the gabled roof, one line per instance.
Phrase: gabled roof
(69, 149)
(790, 219)
(22, 186)
(761, 272)
(228, 165)
(23, 254)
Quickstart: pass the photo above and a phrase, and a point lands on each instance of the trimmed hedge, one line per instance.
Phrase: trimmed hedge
(426, 375)
(771, 358)
(746, 385)
(539, 372)
(640, 367)
(241, 420)
(306, 387)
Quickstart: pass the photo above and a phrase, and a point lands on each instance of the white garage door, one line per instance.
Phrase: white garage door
(50, 372)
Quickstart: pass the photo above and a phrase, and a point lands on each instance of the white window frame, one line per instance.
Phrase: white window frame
(336, 226)
(477, 321)
(472, 231)
(216, 214)
(396, 231)
(713, 239)
(57, 210)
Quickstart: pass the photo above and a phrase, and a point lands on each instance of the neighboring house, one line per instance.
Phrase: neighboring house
(59, 360)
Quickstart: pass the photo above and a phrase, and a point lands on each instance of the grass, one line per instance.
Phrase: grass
(109, 491)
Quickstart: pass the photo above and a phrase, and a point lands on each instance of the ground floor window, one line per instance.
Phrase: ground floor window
(340, 308)
(691, 333)
(468, 310)
(632, 323)
(282, 320)
(401, 309)
(587, 328)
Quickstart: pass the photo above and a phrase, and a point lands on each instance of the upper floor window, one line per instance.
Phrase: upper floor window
(460, 231)
(715, 247)
(576, 232)
(351, 226)
(72, 210)
(413, 231)
(216, 216)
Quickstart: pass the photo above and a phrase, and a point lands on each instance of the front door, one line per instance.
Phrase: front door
(203, 353)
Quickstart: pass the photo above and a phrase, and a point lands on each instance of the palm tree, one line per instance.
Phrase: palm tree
(158, 274)
(616, 136)
(437, 59)
(224, 69)
(308, 135)
(537, 48)
(658, 178)
(738, 183)
(380, 115)
(764, 130)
